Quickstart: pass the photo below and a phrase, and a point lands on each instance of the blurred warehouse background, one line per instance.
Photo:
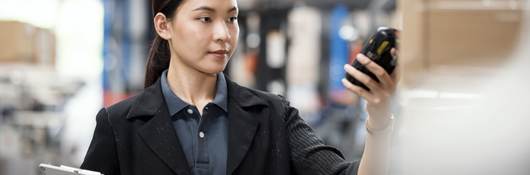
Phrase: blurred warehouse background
(460, 109)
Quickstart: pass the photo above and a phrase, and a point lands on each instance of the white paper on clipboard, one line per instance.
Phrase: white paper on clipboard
(46, 169)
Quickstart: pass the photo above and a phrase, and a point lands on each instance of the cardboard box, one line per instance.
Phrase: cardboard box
(457, 33)
(25, 43)
(44, 47)
(16, 42)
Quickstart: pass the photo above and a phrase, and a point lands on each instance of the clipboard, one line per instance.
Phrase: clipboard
(46, 169)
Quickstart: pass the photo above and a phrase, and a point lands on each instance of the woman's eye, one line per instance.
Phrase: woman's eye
(233, 19)
(205, 19)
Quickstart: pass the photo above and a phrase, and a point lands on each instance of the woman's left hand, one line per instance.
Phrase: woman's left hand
(380, 95)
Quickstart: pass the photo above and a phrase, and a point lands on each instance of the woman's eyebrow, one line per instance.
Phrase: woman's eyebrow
(233, 9)
(210, 9)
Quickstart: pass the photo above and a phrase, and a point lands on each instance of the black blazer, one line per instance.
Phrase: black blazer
(266, 136)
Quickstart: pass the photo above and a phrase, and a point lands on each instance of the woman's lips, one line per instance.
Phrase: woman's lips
(219, 53)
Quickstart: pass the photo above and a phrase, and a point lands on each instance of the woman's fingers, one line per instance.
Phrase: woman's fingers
(381, 74)
(363, 78)
(359, 91)
(394, 52)
(395, 75)
(379, 91)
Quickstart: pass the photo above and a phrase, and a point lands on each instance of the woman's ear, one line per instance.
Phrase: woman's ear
(162, 26)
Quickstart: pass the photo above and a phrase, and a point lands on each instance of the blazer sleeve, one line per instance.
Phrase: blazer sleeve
(309, 154)
(101, 155)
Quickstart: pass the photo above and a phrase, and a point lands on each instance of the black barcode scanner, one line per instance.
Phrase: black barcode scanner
(377, 48)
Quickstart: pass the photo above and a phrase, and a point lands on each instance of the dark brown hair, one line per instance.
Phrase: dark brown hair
(159, 53)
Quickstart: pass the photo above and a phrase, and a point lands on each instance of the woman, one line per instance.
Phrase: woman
(191, 119)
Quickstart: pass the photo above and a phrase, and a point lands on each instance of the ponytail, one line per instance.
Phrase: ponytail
(158, 60)
(159, 53)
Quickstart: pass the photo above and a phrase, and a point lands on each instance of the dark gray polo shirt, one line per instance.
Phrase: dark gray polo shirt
(204, 139)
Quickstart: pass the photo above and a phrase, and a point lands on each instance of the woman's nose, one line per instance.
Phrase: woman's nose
(220, 31)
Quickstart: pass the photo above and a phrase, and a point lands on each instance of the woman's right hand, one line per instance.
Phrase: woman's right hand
(380, 95)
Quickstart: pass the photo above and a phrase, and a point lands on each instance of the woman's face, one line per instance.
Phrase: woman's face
(204, 34)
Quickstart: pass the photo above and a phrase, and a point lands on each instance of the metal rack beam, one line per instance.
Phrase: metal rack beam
(261, 5)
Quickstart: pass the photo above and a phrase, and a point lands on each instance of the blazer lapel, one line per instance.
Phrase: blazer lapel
(158, 132)
(242, 122)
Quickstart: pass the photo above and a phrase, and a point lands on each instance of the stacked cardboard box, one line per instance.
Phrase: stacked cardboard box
(27, 44)
(457, 33)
